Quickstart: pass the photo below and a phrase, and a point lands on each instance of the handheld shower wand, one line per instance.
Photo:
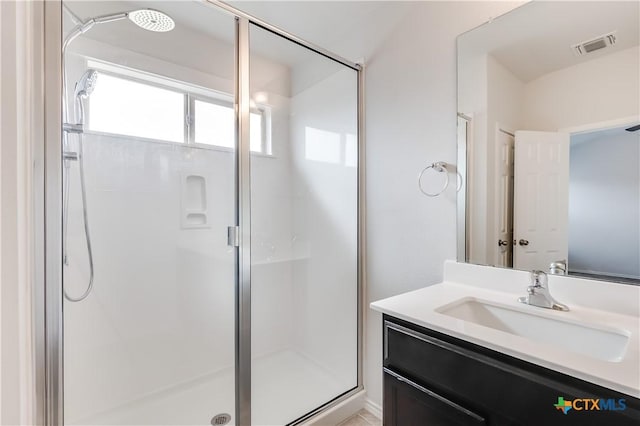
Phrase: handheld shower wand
(84, 87)
(147, 19)
(86, 84)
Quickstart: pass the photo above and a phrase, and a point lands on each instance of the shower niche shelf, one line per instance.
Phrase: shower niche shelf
(194, 212)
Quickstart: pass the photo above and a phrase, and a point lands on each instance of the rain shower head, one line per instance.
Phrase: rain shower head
(151, 20)
(147, 19)
(86, 84)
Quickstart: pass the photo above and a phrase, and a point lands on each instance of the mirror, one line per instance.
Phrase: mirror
(549, 140)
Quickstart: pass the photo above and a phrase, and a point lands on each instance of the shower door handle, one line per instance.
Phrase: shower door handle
(233, 236)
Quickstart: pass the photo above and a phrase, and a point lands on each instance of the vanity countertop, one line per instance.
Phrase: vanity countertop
(421, 308)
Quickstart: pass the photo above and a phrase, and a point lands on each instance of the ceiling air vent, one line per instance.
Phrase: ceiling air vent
(595, 44)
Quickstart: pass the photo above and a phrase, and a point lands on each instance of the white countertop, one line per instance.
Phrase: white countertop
(419, 307)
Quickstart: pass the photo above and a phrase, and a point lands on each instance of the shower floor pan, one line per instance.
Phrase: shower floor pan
(286, 385)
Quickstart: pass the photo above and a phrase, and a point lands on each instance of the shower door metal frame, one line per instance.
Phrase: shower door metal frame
(49, 329)
(50, 377)
(243, 173)
(243, 221)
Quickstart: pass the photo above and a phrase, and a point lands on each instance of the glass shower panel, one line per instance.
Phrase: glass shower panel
(304, 218)
(153, 341)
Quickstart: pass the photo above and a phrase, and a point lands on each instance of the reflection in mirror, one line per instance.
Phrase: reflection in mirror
(550, 98)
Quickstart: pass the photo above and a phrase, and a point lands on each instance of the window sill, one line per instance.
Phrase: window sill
(172, 143)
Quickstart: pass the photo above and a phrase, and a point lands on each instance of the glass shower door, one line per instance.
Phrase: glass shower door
(150, 192)
(304, 221)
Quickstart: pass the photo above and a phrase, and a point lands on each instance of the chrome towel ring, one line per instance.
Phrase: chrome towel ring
(439, 167)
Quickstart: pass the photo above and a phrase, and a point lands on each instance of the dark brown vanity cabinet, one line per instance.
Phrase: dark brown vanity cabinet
(431, 379)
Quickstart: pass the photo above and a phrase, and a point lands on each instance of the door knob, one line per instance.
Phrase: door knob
(523, 242)
(503, 243)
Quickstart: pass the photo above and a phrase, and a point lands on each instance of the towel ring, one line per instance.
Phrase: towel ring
(439, 167)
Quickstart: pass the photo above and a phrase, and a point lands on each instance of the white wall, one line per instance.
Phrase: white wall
(504, 111)
(604, 205)
(410, 122)
(591, 92)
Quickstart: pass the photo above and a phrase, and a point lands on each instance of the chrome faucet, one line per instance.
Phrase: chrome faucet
(538, 293)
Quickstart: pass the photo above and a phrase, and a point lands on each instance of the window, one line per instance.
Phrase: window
(130, 108)
(134, 107)
(213, 124)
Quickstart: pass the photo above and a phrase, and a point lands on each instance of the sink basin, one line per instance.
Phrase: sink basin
(590, 340)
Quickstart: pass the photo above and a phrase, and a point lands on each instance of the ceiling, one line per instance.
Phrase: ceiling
(348, 28)
(536, 38)
(343, 27)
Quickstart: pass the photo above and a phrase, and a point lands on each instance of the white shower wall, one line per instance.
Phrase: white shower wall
(162, 310)
(325, 184)
(321, 195)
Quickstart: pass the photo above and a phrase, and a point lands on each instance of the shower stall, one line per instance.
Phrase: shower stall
(204, 263)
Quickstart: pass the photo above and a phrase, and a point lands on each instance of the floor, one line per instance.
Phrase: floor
(299, 386)
(362, 418)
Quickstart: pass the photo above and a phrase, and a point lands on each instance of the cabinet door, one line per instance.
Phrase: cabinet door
(407, 404)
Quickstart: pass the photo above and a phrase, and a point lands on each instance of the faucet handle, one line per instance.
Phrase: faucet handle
(539, 279)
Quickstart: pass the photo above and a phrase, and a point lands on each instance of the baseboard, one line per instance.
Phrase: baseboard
(373, 408)
(339, 412)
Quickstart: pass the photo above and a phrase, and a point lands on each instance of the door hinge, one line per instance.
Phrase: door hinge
(233, 236)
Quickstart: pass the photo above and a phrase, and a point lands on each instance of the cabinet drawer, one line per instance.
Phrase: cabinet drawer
(489, 382)
(407, 403)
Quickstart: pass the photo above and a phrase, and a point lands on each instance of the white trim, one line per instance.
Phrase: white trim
(373, 408)
(157, 80)
(19, 132)
(1, 235)
(602, 125)
(171, 143)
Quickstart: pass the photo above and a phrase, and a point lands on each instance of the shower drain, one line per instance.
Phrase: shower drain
(221, 419)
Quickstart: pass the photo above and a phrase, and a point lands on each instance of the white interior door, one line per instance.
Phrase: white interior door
(504, 199)
(541, 199)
